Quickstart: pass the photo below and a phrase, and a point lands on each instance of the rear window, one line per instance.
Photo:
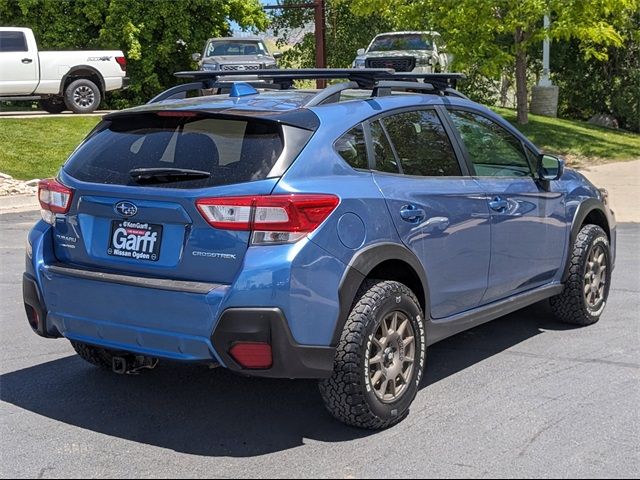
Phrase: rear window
(231, 151)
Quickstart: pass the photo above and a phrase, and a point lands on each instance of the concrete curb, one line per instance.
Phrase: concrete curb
(18, 203)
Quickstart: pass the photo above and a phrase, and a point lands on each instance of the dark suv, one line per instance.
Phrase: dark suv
(331, 234)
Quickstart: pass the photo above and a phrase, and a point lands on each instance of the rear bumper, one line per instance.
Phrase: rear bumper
(173, 321)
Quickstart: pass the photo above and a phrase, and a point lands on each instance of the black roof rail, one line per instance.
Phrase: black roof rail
(385, 87)
(331, 94)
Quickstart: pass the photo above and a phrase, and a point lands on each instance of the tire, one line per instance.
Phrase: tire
(94, 355)
(586, 290)
(53, 104)
(82, 96)
(352, 394)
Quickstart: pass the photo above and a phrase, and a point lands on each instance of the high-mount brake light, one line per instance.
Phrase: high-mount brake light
(54, 199)
(272, 219)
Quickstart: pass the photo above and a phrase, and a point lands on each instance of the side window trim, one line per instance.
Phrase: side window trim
(371, 156)
(458, 137)
(458, 147)
(391, 144)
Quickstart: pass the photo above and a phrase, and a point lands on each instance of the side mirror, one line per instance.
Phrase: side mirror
(551, 168)
(196, 57)
(277, 55)
(360, 52)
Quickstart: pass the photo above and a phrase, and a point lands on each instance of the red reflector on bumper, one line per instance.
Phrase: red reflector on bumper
(252, 355)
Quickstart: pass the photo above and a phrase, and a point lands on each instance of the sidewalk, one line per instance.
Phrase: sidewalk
(622, 180)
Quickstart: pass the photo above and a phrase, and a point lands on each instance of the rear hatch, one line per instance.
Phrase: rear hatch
(135, 182)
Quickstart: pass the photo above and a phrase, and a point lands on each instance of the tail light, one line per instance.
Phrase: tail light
(252, 355)
(272, 219)
(54, 198)
(122, 61)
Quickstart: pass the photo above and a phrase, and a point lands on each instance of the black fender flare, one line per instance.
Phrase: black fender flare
(77, 68)
(363, 263)
(584, 209)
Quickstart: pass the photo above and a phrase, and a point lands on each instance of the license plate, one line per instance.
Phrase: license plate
(136, 240)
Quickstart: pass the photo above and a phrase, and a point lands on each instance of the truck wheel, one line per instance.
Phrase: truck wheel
(94, 355)
(82, 96)
(586, 290)
(380, 358)
(52, 104)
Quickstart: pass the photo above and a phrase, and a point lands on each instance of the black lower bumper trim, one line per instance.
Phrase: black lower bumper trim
(290, 360)
(35, 308)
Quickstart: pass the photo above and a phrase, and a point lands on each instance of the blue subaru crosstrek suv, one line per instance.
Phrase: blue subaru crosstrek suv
(328, 233)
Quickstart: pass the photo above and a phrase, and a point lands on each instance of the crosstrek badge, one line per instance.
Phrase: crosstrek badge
(135, 240)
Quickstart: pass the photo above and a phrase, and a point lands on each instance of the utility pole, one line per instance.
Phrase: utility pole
(545, 81)
(321, 57)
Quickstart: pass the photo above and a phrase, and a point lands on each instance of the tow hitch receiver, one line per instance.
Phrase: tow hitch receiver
(133, 364)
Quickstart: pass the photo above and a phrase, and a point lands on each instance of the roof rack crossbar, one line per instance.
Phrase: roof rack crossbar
(382, 81)
(365, 78)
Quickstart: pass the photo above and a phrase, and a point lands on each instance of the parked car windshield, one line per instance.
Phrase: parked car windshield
(220, 48)
(215, 151)
(410, 41)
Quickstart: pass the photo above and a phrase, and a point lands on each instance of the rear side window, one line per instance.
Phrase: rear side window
(352, 148)
(422, 144)
(229, 151)
(13, 42)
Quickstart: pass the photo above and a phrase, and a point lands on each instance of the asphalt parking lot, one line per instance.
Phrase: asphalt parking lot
(522, 396)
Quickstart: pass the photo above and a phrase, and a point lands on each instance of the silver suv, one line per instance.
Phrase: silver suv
(420, 52)
(235, 54)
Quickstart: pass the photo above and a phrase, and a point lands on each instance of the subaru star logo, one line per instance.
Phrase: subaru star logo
(126, 209)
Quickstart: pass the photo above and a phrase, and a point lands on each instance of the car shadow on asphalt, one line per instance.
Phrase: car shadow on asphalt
(195, 410)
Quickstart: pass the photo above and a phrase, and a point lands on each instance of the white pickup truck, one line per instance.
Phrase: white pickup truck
(74, 80)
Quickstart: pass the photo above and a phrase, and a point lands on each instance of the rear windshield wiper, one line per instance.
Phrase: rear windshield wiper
(166, 175)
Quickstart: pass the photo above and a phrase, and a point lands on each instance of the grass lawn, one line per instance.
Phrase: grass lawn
(36, 147)
(580, 142)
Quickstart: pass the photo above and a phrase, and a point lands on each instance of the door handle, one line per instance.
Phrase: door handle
(412, 214)
(498, 204)
(27, 60)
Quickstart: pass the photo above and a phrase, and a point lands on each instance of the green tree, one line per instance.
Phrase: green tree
(158, 37)
(345, 33)
(494, 35)
(591, 86)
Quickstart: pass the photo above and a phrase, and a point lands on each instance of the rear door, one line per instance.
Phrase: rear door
(136, 181)
(18, 64)
(439, 213)
(527, 220)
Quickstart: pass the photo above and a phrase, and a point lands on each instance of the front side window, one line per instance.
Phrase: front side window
(493, 151)
(422, 144)
(13, 42)
(353, 149)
